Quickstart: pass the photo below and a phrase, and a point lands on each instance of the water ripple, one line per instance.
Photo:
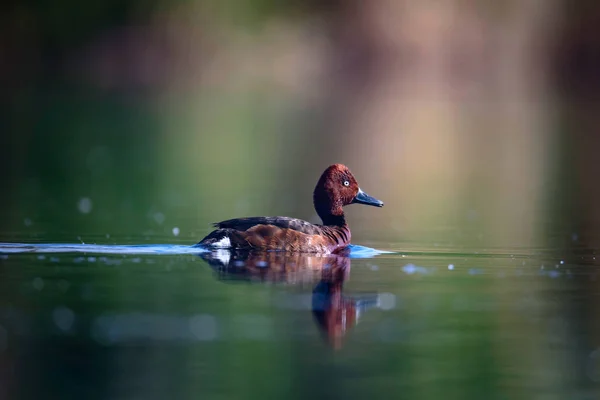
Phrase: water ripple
(356, 251)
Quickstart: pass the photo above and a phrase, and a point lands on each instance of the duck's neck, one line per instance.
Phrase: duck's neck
(330, 213)
(330, 219)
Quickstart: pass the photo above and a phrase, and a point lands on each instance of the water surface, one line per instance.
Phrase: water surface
(155, 321)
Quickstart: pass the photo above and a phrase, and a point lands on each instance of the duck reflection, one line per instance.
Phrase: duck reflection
(334, 313)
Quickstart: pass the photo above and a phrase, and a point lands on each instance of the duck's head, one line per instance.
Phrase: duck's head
(337, 188)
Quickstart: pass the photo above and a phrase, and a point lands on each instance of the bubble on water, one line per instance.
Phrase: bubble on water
(41, 257)
(136, 260)
(91, 259)
(387, 301)
(451, 267)
(176, 231)
(84, 205)
(409, 268)
(63, 318)
(562, 262)
(203, 327)
(414, 269)
(374, 267)
(3, 256)
(27, 222)
(108, 235)
(54, 259)
(159, 218)
(553, 274)
(38, 283)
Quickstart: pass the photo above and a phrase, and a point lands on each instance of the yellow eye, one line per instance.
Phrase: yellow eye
(346, 183)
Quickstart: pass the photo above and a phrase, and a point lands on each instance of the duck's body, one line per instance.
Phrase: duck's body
(278, 233)
(336, 188)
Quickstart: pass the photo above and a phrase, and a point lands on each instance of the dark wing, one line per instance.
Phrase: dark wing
(243, 224)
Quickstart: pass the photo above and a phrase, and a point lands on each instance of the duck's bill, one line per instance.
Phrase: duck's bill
(363, 198)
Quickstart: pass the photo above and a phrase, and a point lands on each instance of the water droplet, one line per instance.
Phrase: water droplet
(159, 218)
(553, 274)
(63, 318)
(387, 301)
(84, 205)
(409, 269)
(176, 231)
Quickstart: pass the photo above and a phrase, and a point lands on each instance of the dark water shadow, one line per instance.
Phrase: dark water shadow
(334, 312)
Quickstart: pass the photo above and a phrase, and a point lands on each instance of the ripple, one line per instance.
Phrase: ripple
(356, 251)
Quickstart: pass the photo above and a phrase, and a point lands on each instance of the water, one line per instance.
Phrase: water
(489, 289)
(157, 321)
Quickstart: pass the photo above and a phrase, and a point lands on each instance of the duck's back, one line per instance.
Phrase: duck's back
(277, 233)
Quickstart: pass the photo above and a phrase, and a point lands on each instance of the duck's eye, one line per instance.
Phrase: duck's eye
(346, 183)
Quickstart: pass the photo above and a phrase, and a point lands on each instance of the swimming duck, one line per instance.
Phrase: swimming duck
(336, 188)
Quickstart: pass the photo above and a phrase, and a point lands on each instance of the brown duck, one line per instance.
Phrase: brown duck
(336, 188)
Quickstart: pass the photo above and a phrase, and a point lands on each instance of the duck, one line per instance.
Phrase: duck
(336, 188)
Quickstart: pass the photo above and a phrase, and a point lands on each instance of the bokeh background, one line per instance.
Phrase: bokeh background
(476, 122)
(154, 115)
(128, 116)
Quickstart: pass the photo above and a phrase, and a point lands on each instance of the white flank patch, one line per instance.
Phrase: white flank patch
(224, 243)
(223, 256)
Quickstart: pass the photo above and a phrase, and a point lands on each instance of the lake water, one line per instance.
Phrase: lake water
(165, 321)
(490, 289)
